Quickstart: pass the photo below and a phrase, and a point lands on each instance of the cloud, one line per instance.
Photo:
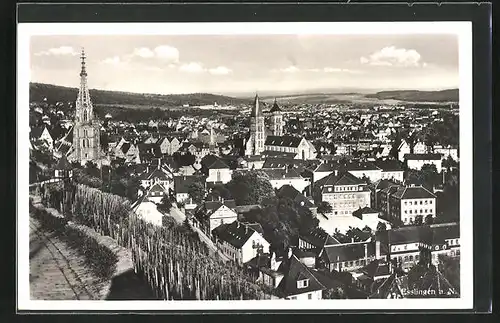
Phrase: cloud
(143, 52)
(290, 69)
(392, 56)
(192, 67)
(220, 70)
(63, 50)
(168, 53)
(115, 60)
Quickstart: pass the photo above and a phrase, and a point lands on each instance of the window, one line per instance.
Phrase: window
(293, 297)
(411, 211)
(416, 257)
(409, 203)
(303, 283)
(310, 296)
(420, 202)
(411, 258)
(351, 263)
(430, 202)
(426, 202)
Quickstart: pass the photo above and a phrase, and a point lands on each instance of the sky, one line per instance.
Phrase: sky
(229, 64)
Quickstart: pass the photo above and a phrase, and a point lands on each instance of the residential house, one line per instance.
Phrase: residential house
(42, 135)
(156, 192)
(448, 151)
(376, 188)
(280, 177)
(416, 161)
(147, 210)
(391, 169)
(345, 192)
(348, 256)
(218, 172)
(405, 244)
(210, 214)
(299, 281)
(240, 242)
(156, 175)
(181, 187)
(288, 191)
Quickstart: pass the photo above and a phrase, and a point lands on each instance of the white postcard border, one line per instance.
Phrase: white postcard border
(462, 29)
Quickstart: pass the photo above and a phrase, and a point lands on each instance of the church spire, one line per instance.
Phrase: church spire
(83, 71)
(256, 106)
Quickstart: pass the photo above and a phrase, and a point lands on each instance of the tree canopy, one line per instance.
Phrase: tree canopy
(248, 188)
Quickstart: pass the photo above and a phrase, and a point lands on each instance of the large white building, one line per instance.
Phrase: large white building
(345, 192)
(416, 161)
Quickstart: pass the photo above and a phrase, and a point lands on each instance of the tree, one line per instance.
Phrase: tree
(324, 207)
(165, 204)
(196, 192)
(418, 219)
(429, 219)
(249, 188)
(381, 227)
(220, 191)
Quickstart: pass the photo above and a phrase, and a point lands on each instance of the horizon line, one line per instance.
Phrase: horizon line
(283, 92)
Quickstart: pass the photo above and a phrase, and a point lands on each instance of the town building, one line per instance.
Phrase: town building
(210, 214)
(405, 244)
(345, 192)
(404, 203)
(279, 177)
(255, 143)
(348, 256)
(416, 161)
(240, 242)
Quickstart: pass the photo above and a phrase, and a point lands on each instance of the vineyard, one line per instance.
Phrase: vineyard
(175, 263)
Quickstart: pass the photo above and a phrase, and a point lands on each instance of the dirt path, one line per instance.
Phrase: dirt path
(58, 272)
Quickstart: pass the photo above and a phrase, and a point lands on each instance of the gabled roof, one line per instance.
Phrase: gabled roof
(376, 268)
(182, 183)
(366, 210)
(319, 238)
(283, 141)
(157, 187)
(295, 271)
(281, 173)
(157, 173)
(413, 192)
(218, 164)
(235, 233)
(348, 251)
(389, 165)
(340, 179)
(292, 193)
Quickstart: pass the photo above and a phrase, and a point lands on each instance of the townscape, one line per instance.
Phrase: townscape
(266, 199)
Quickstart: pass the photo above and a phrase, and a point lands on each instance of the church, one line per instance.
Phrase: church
(271, 142)
(82, 142)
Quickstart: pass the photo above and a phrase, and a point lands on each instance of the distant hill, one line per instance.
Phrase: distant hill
(55, 93)
(417, 96)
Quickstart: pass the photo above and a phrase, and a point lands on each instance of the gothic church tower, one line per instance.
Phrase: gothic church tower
(276, 120)
(257, 135)
(86, 129)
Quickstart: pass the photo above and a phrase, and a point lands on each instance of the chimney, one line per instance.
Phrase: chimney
(222, 200)
(352, 240)
(336, 172)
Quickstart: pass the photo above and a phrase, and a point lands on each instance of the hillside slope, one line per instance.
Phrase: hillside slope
(417, 96)
(55, 93)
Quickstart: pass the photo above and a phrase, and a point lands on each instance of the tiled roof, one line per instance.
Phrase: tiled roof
(157, 187)
(319, 238)
(389, 165)
(366, 210)
(281, 173)
(235, 233)
(413, 192)
(349, 251)
(295, 271)
(157, 173)
(218, 164)
(423, 156)
(181, 183)
(292, 193)
(283, 141)
(339, 180)
(274, 153)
